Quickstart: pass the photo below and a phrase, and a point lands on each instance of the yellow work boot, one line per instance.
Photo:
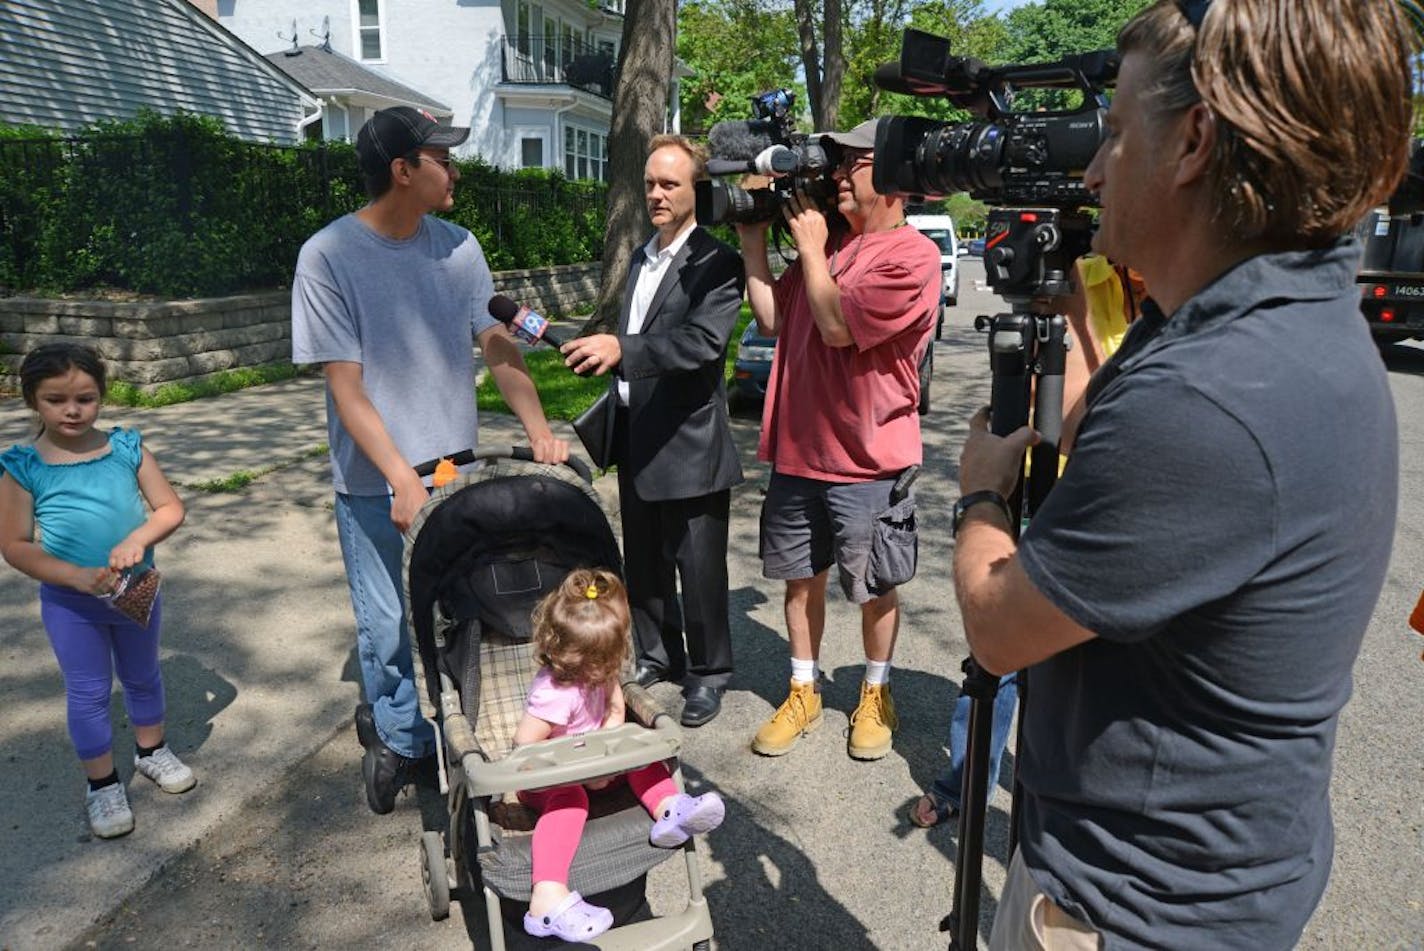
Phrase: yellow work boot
(873, 722)
(797, 716)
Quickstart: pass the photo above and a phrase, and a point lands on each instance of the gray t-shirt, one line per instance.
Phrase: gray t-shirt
(1224, 526)
(407, 311)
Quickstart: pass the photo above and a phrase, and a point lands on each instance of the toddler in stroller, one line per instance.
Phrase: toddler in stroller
(581, 641)
(480, 556)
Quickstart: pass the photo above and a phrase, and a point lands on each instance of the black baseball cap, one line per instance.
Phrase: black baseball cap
(400, 130)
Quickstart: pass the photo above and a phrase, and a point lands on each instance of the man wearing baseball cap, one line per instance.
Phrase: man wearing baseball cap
(388, 300)
(852, 317)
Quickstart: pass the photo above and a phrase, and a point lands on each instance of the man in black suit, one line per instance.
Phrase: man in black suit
(671, 439)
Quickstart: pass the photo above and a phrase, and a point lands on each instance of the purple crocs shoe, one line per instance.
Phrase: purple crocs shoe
(572, 920)
(688, 816)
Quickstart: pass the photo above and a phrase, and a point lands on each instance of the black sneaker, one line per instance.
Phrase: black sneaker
(384, 771)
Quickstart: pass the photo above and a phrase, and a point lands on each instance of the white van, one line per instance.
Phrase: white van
(940, 230)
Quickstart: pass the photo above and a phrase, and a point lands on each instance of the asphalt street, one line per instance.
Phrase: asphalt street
(275, 847)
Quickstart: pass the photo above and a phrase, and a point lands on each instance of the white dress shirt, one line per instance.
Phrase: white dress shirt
(650, 275)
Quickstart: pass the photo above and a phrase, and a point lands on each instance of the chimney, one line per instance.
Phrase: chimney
(210, 7)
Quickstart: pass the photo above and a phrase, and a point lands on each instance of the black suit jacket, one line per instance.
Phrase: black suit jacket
(680, 443)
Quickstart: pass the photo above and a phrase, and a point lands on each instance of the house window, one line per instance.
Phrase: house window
(531, 153)
(521, 29)
(584, 154)
(370, 29)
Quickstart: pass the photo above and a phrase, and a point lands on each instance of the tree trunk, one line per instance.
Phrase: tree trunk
(825, 67)
(832, 69)
(640, 108)
(810, 58)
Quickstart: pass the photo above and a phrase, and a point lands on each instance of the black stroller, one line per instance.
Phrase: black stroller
(478, 557)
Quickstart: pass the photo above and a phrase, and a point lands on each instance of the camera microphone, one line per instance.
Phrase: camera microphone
(776, 160)
(523, 322)
(737, 141)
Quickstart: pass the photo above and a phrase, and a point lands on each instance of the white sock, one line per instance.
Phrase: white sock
(803, 671)
(877, 672)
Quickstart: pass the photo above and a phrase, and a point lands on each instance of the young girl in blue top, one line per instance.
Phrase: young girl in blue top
(86, 489)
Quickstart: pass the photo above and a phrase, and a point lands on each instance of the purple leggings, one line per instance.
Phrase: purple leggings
(91, 640)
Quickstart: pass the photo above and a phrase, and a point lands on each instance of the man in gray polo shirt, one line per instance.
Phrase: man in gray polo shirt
(389, 299)
(1189, 600)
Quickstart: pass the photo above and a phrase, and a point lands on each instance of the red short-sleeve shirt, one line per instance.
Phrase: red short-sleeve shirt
(849, 414)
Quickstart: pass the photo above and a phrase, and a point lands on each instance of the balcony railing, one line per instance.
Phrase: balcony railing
(569, 62)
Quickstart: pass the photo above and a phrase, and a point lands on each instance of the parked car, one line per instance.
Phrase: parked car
(976, 247)
(752, 370)
(940, 230)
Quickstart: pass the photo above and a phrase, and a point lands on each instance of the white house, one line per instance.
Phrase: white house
(533, 79)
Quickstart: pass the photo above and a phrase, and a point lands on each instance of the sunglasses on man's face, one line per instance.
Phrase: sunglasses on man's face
(1194, 11)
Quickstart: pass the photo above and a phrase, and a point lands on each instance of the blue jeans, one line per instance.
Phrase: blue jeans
(371, 549)
(949, 784)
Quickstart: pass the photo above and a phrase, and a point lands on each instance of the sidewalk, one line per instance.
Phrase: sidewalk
(258, 656)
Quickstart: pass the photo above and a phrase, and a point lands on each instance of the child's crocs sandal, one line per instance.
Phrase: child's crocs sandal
(686, 817)
(572, 920)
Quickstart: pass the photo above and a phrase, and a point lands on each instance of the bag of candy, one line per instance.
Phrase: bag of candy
(134, 594)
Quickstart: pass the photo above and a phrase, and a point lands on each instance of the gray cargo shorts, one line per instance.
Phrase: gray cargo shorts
(807, 524)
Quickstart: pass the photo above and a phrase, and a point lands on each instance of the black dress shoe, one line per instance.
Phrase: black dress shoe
(384, 771)
(703, 703)
(646, 675)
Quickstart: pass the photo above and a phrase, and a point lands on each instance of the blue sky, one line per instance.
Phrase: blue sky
(998, 5)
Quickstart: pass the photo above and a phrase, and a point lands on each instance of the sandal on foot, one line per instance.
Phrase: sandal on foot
(686, 817)
(572, 920)
(928, 812)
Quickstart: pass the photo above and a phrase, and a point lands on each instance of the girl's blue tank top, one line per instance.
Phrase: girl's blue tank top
(83, 509)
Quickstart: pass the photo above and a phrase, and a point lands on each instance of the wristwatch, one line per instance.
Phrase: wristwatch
(966, 502)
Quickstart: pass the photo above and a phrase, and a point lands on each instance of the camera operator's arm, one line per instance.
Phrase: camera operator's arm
(761, 293)
(1008, 622)
(809, 231)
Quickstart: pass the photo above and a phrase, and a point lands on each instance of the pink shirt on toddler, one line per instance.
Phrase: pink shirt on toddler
(571, 708)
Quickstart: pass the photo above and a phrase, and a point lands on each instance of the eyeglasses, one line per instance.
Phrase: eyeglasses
(1194, 11)
(443, 161)
(852, 161)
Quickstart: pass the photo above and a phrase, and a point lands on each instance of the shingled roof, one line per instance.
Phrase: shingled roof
(328, 73)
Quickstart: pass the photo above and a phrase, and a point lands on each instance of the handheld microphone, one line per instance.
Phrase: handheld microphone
(523, 322)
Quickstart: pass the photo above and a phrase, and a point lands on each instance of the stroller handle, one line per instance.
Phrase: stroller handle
(523, 453)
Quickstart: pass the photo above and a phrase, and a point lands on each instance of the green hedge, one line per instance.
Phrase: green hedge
(174, 206)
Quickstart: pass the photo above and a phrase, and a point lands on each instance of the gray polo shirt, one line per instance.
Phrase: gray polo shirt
(407, 311)
(1224, 526)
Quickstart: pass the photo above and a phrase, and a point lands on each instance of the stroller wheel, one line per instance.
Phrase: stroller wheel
(434, 875)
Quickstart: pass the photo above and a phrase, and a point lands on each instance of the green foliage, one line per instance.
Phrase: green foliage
(174, 206)
(121, 393)
(736, 49)
(563, 394)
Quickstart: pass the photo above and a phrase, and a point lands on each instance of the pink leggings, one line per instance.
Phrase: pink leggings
(563, 810)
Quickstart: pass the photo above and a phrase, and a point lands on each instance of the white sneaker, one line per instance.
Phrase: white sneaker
(165, 768)
(109, 813)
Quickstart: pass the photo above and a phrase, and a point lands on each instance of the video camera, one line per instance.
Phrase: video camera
(768, 144)
(1027, 166)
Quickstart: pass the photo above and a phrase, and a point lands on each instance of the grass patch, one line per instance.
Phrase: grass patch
(236, 482)
(242, 478)
(564, 394)
(127, 394)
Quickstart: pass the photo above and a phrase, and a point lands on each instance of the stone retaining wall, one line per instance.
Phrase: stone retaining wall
(149, 343)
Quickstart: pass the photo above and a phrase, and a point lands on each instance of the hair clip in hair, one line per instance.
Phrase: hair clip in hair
(591, 592)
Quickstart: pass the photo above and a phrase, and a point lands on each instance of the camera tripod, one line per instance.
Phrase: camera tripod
(1029, 257)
